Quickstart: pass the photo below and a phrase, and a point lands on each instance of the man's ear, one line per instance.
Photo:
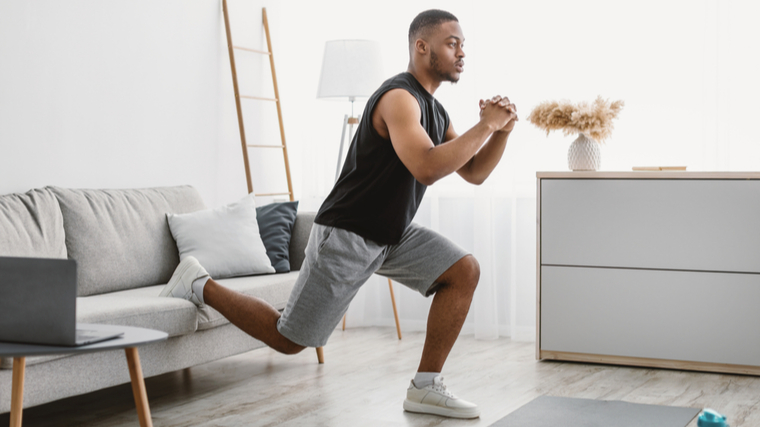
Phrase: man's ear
(421, 46)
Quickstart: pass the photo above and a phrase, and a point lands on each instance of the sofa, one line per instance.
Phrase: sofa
(125, 254)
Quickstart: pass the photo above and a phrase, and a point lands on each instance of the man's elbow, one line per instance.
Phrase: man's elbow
(426, 180)
(475, 180)
(427, 176)
(472, 178)
(430, 179)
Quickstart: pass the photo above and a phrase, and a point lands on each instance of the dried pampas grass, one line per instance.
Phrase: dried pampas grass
(592, 119)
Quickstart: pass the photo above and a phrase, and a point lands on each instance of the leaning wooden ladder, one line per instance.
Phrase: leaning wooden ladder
(276, 99)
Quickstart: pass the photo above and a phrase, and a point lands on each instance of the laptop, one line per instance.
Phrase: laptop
(38, 303)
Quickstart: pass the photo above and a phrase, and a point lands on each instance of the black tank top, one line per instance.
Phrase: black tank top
(376, 196)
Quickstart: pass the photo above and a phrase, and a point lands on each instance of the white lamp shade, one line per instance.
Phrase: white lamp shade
(350, 69)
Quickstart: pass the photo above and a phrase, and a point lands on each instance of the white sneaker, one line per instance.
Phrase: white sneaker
(435, 399)
(181, 283)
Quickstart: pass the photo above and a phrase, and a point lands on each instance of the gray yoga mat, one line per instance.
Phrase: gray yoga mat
(549, 411)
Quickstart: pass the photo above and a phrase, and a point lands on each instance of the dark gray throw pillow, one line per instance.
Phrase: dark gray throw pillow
(275, 226)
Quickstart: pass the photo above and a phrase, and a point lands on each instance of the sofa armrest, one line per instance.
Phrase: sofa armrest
(299, 238)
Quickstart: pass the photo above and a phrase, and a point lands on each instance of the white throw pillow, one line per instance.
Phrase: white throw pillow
(224, 240)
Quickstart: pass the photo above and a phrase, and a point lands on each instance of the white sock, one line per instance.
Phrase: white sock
(197, 287)
(424, 379)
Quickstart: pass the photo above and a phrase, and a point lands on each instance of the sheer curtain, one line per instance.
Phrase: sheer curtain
(686, 70)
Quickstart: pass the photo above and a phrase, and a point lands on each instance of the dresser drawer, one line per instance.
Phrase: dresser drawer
(700, 225)
(673, 315)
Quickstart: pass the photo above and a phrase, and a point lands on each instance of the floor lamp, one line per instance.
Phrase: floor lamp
(352, 69)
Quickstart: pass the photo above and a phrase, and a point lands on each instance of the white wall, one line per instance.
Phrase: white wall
(104, 94)
(124, 94)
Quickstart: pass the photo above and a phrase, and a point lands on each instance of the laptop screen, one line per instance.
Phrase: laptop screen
(38, 303)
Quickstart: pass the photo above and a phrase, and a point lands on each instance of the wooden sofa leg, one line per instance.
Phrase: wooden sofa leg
(17, 391)
(321, 354)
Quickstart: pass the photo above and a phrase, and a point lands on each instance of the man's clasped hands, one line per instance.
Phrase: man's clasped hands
(500, 111)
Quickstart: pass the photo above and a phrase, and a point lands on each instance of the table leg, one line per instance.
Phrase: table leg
(138, 387)
(17, 393)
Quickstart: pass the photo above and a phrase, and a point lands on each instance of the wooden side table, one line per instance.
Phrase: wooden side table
(132, 338)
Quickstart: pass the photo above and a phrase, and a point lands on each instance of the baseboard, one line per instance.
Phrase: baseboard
(651, 363)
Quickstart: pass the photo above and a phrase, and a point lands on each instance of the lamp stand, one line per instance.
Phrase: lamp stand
(350, 122)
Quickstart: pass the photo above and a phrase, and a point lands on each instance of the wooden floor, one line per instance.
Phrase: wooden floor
(364, 380)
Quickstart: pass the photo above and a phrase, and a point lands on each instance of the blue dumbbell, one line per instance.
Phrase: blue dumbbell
(711, 418)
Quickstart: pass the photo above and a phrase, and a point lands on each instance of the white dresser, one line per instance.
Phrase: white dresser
(654, 269)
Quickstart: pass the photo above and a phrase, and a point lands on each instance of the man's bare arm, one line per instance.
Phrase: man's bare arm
(398, 114)
(480, 166)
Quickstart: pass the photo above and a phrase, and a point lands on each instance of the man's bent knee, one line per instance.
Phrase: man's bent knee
(471, 272)
(284, 345)
(292, 348)
(463, 273)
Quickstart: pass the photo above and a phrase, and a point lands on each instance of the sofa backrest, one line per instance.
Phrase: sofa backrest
(120, 238)
(31, 225)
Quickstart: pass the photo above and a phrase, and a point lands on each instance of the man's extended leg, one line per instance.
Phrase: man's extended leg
(253, 315)
(448, 312)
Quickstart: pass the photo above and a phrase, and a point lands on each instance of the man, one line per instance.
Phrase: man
(404, 143)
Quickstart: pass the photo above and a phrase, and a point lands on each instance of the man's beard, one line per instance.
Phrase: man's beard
(436, 66)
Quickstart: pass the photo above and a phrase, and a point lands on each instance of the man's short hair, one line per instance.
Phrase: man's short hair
(426, 21)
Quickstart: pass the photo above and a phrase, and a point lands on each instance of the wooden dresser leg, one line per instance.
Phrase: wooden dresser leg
(138, 387)
(321, 355)
(17, 391)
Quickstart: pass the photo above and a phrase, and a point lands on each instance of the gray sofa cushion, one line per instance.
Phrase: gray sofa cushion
(31, 225)
(141, 307)
(120, 238)
(273, 288)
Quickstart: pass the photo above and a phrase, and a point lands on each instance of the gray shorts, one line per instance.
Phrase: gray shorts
(338, 262)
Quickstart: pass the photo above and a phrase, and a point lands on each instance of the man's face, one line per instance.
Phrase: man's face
(446, 54)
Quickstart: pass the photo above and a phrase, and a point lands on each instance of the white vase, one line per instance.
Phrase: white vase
(584, 154)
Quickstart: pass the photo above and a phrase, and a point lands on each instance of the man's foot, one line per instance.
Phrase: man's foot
(435, 399)
(181, 283)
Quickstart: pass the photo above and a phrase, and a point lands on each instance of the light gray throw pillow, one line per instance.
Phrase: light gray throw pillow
(225, 240)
